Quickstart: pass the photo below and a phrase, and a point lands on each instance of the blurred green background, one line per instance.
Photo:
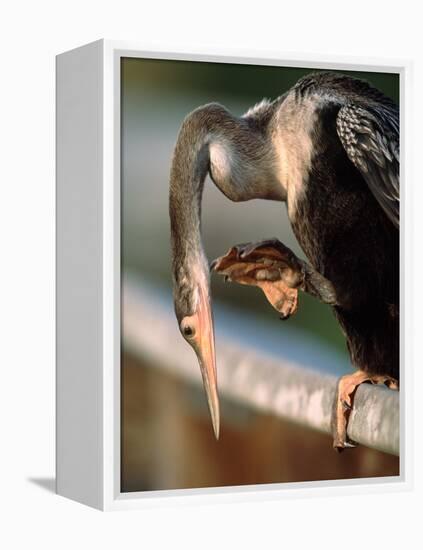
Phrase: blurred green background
(156, 96)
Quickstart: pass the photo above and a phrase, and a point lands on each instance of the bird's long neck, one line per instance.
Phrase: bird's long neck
(239, 162)
(189, 169)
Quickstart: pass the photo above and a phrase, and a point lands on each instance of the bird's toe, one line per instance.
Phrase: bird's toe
(261, 264)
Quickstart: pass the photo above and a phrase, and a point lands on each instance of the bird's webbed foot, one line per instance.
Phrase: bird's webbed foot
(271, 266)
(344, 401)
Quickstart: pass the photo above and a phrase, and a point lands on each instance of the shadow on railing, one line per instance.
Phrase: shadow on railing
(275, 371)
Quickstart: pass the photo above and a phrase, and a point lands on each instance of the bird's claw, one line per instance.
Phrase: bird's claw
(269, 265)
(340, 446)
(347, 406)
(344, 401)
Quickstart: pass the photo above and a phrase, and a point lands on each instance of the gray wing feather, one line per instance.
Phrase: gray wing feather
(370, 136)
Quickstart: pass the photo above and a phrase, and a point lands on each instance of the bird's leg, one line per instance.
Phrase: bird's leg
(274, 268)
(343, 404)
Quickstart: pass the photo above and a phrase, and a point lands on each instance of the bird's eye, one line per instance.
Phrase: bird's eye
(188, 330)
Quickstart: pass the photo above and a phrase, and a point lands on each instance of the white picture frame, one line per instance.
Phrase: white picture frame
(89, 285)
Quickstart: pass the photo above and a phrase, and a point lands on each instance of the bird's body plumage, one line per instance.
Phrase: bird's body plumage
(344, 230)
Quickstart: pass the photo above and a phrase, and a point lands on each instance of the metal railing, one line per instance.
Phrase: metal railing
(254, 371)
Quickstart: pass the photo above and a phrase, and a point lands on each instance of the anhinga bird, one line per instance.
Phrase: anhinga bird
(329, 148)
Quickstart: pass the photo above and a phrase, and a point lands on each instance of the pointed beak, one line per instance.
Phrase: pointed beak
(205, 351)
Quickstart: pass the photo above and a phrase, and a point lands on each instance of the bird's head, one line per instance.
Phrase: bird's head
(194, 314)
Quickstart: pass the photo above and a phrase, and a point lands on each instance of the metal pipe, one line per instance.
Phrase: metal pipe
(249, 375)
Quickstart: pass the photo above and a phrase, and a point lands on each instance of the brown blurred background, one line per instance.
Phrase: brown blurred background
(167, 440)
